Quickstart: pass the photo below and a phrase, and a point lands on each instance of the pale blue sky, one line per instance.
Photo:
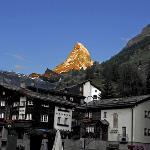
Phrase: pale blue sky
(36, 34)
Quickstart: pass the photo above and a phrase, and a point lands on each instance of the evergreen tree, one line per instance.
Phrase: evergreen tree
(89, 73)
(130, 82)
(107, 91)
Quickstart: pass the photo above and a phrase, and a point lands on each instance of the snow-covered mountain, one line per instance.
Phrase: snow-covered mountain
(77, 59)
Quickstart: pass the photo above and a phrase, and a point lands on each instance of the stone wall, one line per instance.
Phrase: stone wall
(90, 144)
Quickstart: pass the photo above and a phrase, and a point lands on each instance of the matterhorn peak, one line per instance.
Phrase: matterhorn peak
(78, 58)
(80, 46)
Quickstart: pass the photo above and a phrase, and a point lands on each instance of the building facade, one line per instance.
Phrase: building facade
(86, 89)
(23, 110)
(128, 119)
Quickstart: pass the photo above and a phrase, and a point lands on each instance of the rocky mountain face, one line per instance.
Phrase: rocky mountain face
(48, 75)
(78, 58)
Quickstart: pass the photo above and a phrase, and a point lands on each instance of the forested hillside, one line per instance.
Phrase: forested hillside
(125, 74)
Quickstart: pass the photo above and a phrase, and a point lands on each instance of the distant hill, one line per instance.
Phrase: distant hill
(14, 79)
(136, 52)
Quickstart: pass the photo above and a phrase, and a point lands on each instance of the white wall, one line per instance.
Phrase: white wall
(63, 115)
(89, 91)
(124, 120)
(140, 122)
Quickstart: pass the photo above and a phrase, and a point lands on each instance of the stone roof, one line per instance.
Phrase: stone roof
(45, 97)
(117, 102)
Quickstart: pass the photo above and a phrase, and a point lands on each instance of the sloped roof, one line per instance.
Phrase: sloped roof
(45, 97)
(94, 122)
(71, 89)
(117, 102)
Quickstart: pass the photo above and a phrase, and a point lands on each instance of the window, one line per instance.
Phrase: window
(22, 101)
(86, 115)
(65, 121)
(124, 131)
(14, 117)
(90, 129)
(145, 132)
(71, 98)
(2, 103)
(90, 114)
(94, 96)
(44, 118)
(148, 132)
(21, 116)
(105, 114)
(95, 90)
(30, 103)
(115, 120)
(58, 120)
(1, 115)
(15, 104)
(45, 105)
(29, 117)
(146, 114)
(149, 114)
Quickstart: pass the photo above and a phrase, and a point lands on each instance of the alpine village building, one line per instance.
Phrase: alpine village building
(78, 112)
(27, 109)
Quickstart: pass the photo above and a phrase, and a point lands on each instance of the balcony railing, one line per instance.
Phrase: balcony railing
(123, 138)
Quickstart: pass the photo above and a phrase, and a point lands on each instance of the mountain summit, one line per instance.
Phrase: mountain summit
(78, 58)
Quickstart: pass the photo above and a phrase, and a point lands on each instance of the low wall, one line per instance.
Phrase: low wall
(90, 144)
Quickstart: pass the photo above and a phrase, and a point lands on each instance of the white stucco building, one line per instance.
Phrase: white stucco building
(129, 121)
(90, 91)
(62, 118)
(86, 89)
